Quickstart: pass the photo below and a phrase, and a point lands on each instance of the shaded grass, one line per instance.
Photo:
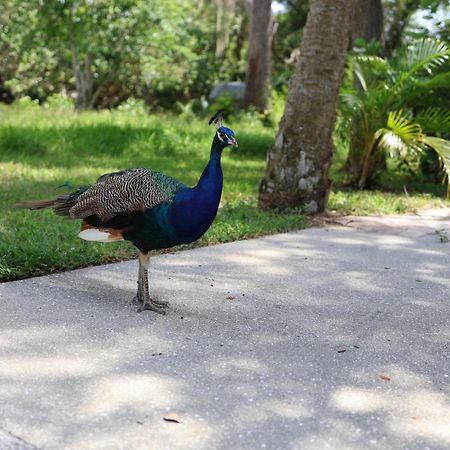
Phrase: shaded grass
(397, 193)
(42, 149)
(377, 202)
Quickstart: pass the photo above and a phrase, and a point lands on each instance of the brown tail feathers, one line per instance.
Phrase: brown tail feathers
(60, 205)
(35, 205)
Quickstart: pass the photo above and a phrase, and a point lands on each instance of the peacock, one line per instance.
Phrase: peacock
(148, 208)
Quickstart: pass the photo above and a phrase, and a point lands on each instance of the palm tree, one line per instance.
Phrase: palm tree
(298, 163)
(378, 115)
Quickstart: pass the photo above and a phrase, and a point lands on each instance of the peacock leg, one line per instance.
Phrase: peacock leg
(143, 296)
(138, 297)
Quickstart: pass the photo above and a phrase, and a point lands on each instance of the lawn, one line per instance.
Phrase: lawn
(41, 149)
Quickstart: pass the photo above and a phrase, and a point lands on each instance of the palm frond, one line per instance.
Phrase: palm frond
(374, 62)
(421, 54)
(368, 70)
(440, 80)
(434, 120)
(400, 135)
(350, 100)
(442, 148)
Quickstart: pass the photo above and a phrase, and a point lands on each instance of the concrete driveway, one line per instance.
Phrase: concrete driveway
(328, 338)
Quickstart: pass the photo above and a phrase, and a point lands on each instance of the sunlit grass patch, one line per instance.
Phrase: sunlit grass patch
(43, 149)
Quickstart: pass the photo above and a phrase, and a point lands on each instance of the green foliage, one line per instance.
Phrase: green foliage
(398, 18)
(133, 106)
(225, 103)
(59, 101)
(161, 52)
(380, 113)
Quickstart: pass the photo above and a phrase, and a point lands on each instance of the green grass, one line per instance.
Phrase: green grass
(378, 202)
(41, 149)
(398, 193)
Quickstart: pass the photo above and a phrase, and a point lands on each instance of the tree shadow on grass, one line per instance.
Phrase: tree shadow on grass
(72, 145)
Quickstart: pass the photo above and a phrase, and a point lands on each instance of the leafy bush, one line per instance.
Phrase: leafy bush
(59, 101)
(133, 106)
(26, 103)
(378, 109)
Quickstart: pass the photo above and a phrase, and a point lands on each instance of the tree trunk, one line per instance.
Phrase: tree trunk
(368, 21)
(84, 81)
(224, 17)
(299, 161)
(259, 65)
(367, 24)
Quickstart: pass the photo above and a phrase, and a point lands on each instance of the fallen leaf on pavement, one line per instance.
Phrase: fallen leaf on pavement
(385, 378)
(172, 418)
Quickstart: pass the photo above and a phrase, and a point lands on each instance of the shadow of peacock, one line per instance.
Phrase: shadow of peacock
(148, 208)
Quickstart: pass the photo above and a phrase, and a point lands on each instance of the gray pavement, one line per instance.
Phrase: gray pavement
(328, 338)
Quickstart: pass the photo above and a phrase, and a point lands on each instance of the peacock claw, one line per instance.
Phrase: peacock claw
(152, 306)
(138, 301)
(161, 303)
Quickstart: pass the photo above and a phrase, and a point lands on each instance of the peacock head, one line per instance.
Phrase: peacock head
(223, 134)
(226, 135)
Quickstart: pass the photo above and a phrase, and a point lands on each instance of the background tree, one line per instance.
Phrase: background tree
(368, 23)
(259, 66)
(291, 21)
(105, 52)
(299, 161)
(383, 115)
(398, 16)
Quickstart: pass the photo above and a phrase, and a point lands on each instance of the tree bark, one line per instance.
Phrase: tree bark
(368, 21)
(259, 65)
(84, 82)
(368, 24)
(299, 161)
(82, 70)
(224, 17)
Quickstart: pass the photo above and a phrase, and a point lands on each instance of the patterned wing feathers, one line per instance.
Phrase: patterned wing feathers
(126, 191)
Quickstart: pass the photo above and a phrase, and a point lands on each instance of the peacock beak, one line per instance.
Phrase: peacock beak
(232, 141)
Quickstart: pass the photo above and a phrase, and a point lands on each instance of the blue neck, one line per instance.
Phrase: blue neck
(195, 208)
(212, 177)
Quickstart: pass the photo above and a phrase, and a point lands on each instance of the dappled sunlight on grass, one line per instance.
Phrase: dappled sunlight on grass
(43, 149)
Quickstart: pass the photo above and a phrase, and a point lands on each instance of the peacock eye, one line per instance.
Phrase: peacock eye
(221, 136)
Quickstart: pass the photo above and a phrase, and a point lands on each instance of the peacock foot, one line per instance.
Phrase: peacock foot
(151, 304)
(158, 307)
(142, 297)
(161, 303)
